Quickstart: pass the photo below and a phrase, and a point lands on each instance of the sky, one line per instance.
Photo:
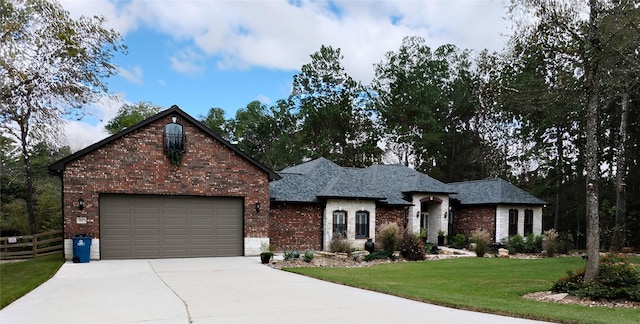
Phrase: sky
(200, 54)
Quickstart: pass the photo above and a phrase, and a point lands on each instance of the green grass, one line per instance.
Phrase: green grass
(19, 278)
(491, 285)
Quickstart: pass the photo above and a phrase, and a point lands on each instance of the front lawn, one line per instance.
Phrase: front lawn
(19, 278)
(490, 285)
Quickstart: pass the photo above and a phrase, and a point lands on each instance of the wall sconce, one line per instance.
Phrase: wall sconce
(174, 119)
(257, 207)
(418, 214)
(445, 215)
(80, 203)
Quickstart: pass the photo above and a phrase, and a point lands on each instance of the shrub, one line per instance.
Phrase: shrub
(617, 279)
(481, 238)
(515, 244)
(307, 256)
(381, 254)
(564, 243)
(459, 241)
(339, 244)
(533, 244)
(411, 247)
(389, 236)
(288, 255)
(550, 244)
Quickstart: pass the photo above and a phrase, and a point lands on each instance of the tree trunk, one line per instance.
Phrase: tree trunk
(33, 225)
(559, 178)
(621, 172)
(593, 166)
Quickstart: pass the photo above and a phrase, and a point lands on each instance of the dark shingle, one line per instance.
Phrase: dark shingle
(492, 191)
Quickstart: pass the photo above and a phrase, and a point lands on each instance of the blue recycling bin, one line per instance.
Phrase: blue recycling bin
(81, 249)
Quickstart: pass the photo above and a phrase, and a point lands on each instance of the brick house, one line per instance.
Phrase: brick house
(169, 187)
(315, 201)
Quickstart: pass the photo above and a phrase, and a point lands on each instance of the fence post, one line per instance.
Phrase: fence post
(34, 247)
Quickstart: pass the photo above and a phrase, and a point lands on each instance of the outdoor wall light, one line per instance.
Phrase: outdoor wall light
(174, 119)
(80, 203)
(445, 214)
(418, 214)
(257, 207)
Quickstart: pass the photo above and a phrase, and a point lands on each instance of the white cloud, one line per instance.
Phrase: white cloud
(134, 76)
(282, 35)
(188, 61)
(82, 133)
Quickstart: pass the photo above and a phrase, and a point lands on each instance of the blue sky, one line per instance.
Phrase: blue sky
(200, 54)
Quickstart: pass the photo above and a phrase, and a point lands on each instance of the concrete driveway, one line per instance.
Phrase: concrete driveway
(214, 290)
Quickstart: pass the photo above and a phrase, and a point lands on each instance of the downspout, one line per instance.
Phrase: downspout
(495, 224)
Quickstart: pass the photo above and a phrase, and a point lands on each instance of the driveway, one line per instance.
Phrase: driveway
(214, 290)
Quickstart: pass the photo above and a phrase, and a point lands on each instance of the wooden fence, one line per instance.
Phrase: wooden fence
(30, 246)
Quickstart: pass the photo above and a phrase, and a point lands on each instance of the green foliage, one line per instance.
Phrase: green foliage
(339, 244)
(215, 121)
(458, 241)
(307, 256)
(411, 247)
(617, 279)
(288, 255)
(333, 110)
(515, 244)
(389, 236)
(380, 254)
(129, 115)
(532, 244)
(481, 238)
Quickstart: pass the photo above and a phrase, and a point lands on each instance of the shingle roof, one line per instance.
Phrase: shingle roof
(492, 191)
(321, 178)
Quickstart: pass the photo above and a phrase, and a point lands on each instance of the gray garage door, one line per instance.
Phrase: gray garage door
(169, 227)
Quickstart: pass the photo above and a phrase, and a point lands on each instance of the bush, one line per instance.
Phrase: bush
(459, 241)
(617, 279)
(379, 255)
(481, 238)
(515, 244)
(307, 256)
(533, 244)
(411, 247)
(339, 244)
(389, 236)
(550, 244)
(288, 255)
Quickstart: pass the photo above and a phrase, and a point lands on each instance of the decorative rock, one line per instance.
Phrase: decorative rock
(503, 253)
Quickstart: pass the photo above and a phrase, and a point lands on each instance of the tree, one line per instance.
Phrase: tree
(335, 122)
(583, 24)
(268, 134)
(50, 66)
(129, 115)
(215, 121)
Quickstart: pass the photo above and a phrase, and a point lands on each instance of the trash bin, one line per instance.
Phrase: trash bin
(81, 248)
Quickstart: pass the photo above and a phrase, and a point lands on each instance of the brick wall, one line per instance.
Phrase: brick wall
(386, 214)
(136, 164)
(295, 226)
(467, 219)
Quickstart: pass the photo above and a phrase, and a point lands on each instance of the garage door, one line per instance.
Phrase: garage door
(169, 227)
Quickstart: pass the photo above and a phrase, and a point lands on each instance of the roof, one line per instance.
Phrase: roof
(321, 179)
(59, 166)
(492, 191)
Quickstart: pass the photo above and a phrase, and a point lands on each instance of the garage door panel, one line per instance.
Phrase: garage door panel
(170, 227)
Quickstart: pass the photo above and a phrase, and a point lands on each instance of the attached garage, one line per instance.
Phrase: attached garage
(138, 226)
(167, 187)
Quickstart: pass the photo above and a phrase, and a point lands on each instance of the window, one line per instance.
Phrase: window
(362, 224)
(528, 221)
(513, 222)
(340, 224)
(174, 142)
